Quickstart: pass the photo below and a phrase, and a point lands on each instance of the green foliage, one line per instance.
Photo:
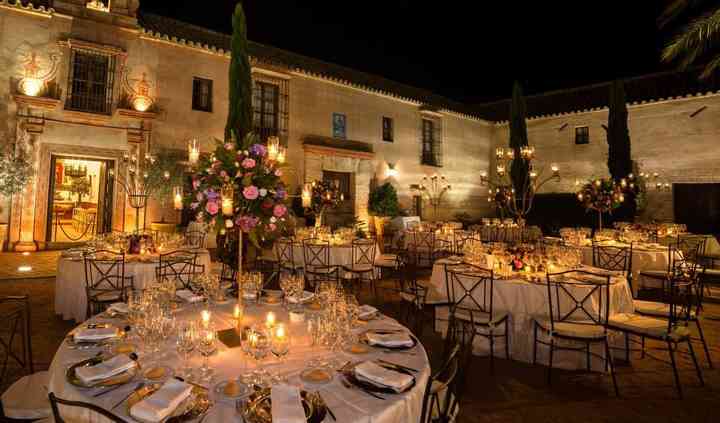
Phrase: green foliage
(618, 136)
(80, 187)
(383, 201)
(698, 42)
(518, 139)
(15, 173)
(239, 121)
(166, 160)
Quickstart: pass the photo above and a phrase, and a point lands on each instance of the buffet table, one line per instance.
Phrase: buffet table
(523, 299)
(70, 295)
(348, 405)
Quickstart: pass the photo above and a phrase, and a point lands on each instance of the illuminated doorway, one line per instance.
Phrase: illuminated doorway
(80, 199)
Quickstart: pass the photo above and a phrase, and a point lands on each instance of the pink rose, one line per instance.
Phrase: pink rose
(251, 192)
(229, 146)
(223, 174)
(279, 210)
(212, 207)
(248, 163)
(278, 173)
(272, 227)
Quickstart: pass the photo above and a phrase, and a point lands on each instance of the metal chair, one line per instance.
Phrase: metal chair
(105, 280)
(441, 402)
(316, 256)
(285, 254)
(578, 309)
(195, 239)
(470, 299)
(92, 408)
(179, 266)
(362, 265)
(681, 296)
(15, 317)
(614, 258)
(423, 245)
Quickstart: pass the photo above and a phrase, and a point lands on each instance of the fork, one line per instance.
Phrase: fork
(349, 385)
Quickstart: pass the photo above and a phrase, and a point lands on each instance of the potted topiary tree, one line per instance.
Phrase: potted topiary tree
(383, 205)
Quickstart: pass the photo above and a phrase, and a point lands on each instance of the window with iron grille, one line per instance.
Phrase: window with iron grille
(90, 87)
(582, 135)
(266, 111)
(202, 94)
(387, 129)
(431, 143)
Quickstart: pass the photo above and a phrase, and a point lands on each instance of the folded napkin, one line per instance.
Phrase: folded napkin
(162, 402)
(382, 376)
(366, 311)
(400, 339)
(95, 334)
(119, 308)
(188, 296)
(286, 404)
(106, 369)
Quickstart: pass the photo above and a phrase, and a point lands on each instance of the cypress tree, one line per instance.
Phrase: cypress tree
(618, 136)
(518, 138)
(239, 120)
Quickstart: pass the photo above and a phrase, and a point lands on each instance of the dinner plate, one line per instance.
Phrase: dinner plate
(368, 385)
(364, 340)
(195, 405)
(220, 390)
(118, 379)
(316, 376)
(259, 409)
(153, 374)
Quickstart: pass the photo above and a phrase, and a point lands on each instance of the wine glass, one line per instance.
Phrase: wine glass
(185, 344)
(260, 347)
(207, 346)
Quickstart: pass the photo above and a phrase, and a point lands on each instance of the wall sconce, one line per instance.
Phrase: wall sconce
(391, 172)
(193, 152)
(33, 82)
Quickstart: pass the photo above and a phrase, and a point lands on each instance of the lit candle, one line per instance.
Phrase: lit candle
(280, 332)
(193, 152)
(281, 155)
(306, 196)
(227, 206)
(238, 312)
(177, 202)
(273, 147)
(270, 319)
(555, 168)
(205, 316)
(166, 174)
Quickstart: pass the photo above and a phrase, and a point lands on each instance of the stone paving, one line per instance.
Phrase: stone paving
(515, 392)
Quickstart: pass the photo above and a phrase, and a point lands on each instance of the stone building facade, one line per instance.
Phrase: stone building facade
(331, 118)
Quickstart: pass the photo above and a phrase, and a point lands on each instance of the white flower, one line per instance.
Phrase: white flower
(263, 192)
(228, 223)
(273, 219)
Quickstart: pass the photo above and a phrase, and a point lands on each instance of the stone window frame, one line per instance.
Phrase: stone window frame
(431, 143)
(582, 135)
(388, 131)
(283, 102)
(199, 103)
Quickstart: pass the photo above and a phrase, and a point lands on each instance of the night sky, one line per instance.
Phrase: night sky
(467, 53)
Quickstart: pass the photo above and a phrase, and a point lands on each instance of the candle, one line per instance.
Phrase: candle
(281, 155)
(280, 331)
(238, 312)
(205, 316)
(177, 198)
(270, 319)
(193, 152)
(273, 147)
(227, 206)
(166, 174)
(306, 196)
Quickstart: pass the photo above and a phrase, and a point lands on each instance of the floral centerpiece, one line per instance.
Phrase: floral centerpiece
(602, 195)
(323, 196)
(240, 186)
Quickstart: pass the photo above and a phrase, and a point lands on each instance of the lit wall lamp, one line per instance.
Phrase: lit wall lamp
(391, 172)
(33, 81)
(138, 93)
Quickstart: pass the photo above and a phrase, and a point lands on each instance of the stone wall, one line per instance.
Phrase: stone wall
(664, 139)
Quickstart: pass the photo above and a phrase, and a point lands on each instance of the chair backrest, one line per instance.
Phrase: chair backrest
(316, 253)
(684, 297)
(363, 251)
(690, 248)
(92, 408)
(179, 266)
(195, 238)
(470, 288)
(284, 252)
(104, 270)
(423, 241)
(578, 296)
(460, 238)
(610, 257)
(15, 318)
(441, 394)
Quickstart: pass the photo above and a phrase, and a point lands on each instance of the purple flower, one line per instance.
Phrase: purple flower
(247, 223)
(280, 194)
(212, 195)
(258, 150)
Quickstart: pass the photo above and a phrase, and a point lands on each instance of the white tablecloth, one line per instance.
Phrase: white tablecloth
(349, 406)
(524, 300)
(340, 255)
(70, 296)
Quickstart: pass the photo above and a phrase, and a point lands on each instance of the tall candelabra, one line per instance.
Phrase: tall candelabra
(433, 189)
(501, 189)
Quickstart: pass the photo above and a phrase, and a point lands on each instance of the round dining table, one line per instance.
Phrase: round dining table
(70, 294)
(524, 299)
(348, 404)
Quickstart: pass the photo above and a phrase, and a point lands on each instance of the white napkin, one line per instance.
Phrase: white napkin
(119, 308)
(381, 376)
(106, 369)
(286, 404)
(400, 339)
(366, 311)
(162, 402)
(96, 334)
(188, 296)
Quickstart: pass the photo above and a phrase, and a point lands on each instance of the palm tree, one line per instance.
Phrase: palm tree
(698, 41)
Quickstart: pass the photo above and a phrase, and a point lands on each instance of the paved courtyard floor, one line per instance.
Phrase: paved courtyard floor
(515, 392)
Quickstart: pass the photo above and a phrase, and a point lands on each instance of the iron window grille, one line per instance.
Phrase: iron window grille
(91, 79)
(202, 94)
(431, 143)
(388, 129)
(582, 135)
(270, 107)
